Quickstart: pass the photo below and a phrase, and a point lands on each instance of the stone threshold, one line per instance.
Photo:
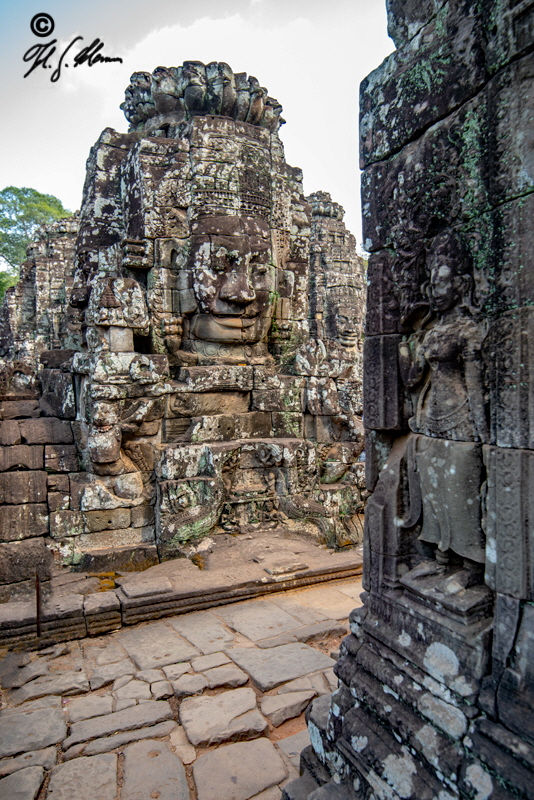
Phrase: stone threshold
(170, 588)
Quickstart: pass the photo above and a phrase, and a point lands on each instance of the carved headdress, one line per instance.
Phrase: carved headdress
(157, 104)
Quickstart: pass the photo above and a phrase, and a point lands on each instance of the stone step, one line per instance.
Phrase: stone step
(300, 789)
(148, 597)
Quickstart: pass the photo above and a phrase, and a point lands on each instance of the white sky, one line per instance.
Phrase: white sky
(310, 54)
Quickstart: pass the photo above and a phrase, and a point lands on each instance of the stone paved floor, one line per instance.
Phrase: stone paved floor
(205, 706)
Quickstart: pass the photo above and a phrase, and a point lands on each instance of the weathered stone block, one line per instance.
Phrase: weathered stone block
(141, 516)
(23, 487)
(513, 243)
(31, 730)
(57, 501)
(188, 404)
(382, 305)
(217, 378)
(115, 538)
(511, 106)
(107, 520)
(441, 67)
(101, 603)
(117, 368)
(57, 398)
(86, 778)
(443, 170)
(509, 519)
(60, 458)
(45, 431)
(18, 409)
(223, 717)
(407, 17)
(9, 433)
(382, 386)
(151, 769)
(508, 28)
(177, 429)
(58, 483)
(515, 695)
(239, 771)
(286, 424)
(508, 347)
(19, 561)
(21, 456)
(23, 522)
(276, 400)
(64, 524)
(78, 481)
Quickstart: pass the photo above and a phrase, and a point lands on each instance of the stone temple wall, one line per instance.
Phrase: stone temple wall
(195, 355)
(436, 693)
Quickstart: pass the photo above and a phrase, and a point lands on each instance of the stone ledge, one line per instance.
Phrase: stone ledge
(148, 597)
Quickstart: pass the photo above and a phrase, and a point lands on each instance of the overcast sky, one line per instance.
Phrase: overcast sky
(310, 54)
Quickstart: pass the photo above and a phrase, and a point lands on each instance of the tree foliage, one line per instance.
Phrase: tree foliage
(7, 279)
(22, 211)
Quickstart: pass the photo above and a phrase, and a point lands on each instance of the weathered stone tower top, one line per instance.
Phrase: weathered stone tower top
(173, 95)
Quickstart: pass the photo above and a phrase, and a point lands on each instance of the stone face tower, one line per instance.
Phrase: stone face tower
(435, 697)
(198, 391)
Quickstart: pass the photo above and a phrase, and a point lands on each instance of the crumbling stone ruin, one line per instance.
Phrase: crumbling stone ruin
(32, 316)
(435, 698)
(183, 357)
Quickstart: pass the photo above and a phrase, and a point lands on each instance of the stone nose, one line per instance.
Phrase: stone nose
(237, 288)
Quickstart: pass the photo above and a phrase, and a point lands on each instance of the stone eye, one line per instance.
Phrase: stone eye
(182, 501)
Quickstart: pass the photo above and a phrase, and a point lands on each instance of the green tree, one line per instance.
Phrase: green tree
(22, 211)
(7, 279)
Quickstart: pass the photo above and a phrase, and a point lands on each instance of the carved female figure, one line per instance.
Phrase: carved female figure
(441, 365)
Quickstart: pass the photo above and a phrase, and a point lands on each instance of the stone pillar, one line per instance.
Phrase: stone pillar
(436, 684)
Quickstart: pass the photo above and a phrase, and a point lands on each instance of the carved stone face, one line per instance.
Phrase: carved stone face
(445, 287)
(346, 326)
(233, 281)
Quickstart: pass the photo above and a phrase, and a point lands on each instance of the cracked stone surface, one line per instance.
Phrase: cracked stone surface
(124, 709)
(204, 630)
(63, 683)
(90, 706)
(156, 645)
(189, 684)
(151, 770)
(239, 771)
(262, 621)
(93, 778)
(128, 719)
(181, 745)
(22, 785)
(108, 673)
(30, 730)
(225, 676)
(285, 706)
(292, 746)
(109, 743)
(210, 720)
(269, 668)
(40, 758)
